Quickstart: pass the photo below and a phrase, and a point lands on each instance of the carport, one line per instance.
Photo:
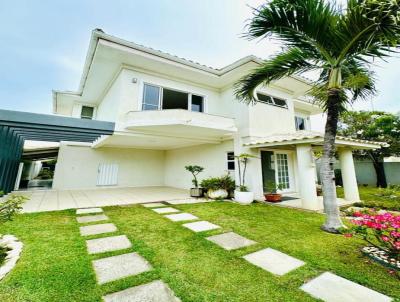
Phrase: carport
(17, 126)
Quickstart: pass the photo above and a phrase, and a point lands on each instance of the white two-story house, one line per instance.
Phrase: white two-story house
(171, 112)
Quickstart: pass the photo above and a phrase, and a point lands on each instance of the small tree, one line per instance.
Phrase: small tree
(10, 207)
(374, 126)
(195, 170)
(243, 159)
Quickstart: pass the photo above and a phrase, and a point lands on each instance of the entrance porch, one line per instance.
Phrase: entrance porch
(288, 161)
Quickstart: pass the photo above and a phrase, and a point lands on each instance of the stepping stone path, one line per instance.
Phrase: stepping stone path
(156, 291)
(181, 217)
(327, 287)
(331, 288)
(108, 244)
(201, 226)
(91, 218)
(97, 229)
(274, 261)
(165, 210)
(153, 205)
(121, 266)
(89, 211)
(231, 241)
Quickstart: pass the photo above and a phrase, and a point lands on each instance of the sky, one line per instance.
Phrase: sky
(44, 43)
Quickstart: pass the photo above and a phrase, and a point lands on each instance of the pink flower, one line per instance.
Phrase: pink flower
(385, 238)
(348, 235)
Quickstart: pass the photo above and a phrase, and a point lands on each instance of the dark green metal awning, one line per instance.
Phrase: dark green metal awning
(17, 126)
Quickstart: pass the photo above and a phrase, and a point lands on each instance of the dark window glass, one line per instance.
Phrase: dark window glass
(87, 112)
(280, 102)
(173, 99)
(151, 97)
(230, 156)
(264, 98)
(300, 123)
(197, 103)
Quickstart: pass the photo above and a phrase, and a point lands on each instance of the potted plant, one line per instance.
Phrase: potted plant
(273, 195)
(196, 191)
(242, 194)
(218, 187)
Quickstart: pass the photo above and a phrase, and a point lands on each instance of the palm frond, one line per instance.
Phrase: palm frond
(292, 61)
(307, 24)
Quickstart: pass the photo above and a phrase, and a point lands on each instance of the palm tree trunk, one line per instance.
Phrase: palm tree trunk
(331, 208)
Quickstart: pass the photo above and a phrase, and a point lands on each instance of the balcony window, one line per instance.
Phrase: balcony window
(159, 98)
(87, 112)
(172, 99)
(267, 99)
(197, 103)
(151, 97)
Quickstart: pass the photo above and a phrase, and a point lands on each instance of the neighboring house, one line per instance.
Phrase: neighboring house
(171, 112)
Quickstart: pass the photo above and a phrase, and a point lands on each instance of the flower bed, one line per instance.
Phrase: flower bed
(382, 231)
(14, 248)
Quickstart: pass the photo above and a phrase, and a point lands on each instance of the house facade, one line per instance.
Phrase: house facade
(170, 112)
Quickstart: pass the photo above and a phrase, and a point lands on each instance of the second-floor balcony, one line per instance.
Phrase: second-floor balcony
(180, 122)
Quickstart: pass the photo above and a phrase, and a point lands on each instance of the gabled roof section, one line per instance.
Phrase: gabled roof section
(132, 53)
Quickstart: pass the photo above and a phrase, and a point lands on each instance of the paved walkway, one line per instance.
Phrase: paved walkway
(124, 265)
(54, 200)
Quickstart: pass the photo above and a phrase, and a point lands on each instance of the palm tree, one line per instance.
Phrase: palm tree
(339, 45)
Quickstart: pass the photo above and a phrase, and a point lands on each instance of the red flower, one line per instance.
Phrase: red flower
(348, 235)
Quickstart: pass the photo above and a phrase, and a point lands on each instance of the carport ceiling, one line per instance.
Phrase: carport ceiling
(53, 128)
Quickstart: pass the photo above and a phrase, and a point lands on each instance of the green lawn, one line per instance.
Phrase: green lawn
(373, 197)
(55, 266)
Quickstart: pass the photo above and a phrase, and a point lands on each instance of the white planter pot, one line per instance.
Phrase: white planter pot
(244, 197)
(217, 194)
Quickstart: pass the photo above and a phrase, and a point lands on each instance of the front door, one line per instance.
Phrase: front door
(276, 169)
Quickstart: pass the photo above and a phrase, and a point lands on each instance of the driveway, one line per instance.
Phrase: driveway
(54, 200)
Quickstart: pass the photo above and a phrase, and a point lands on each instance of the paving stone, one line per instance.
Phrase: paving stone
(201, 226)
(153, 205)
(89, 211)
(332, 288)
(230, 241)
(108, 244)
(121, 266)
(181, 217)
(91, 218)
(274, 261)
(96, 229)
(166, 210)
(156, 291)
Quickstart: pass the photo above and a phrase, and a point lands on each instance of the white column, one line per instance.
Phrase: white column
(306, 177)
(348, 175)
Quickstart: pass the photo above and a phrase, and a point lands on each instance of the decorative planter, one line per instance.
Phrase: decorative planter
(15, 248)
(217, 194)
(273, 197)
(381, 257)
(196, 192)
(244, 197)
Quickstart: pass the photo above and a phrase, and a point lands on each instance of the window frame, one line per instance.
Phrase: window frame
(272, 103)
(160, 101)
(87, 118)
(230, 161)
(159, 97)
(306, 119)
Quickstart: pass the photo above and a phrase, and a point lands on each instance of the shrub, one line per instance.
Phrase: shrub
(216, 183)
(10, 207)
(380, 230)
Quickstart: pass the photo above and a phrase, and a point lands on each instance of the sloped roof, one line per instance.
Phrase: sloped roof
(312, 137)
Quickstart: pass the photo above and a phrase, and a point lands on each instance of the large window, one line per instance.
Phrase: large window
(87, 112)
(156, 98)
(267, 99)
(230, 161)
(300, 123)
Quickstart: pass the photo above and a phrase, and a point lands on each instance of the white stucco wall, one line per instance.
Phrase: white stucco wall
(77, 166)
(210, 156)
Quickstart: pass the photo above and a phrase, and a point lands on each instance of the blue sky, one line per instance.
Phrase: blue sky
(44, 43)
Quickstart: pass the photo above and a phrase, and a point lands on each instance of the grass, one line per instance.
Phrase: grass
(55, 266)
(373, 197)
